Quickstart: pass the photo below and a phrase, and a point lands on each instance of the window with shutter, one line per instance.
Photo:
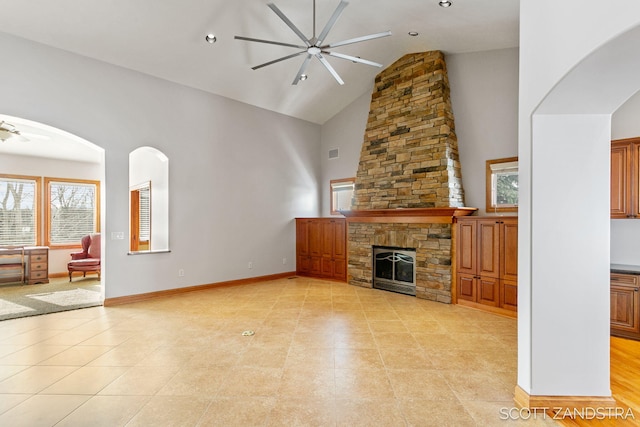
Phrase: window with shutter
(19, 197)
(72, 210)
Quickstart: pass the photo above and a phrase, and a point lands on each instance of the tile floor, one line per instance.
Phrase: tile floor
(323, 354)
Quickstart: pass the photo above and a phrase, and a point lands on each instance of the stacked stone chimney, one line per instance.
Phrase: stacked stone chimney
(409, 157)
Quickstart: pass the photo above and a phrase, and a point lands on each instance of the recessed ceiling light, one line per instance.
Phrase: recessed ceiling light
(413, 33)
(210, 38)
(445, 3)
(303, 77)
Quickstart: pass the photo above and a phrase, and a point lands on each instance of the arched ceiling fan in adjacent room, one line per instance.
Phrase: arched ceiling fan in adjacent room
(315, 46)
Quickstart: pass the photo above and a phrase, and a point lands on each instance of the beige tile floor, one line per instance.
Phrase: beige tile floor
(323, 354)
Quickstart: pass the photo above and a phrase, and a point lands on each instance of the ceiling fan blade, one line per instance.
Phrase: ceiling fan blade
(352, 58)
(249, 39)
(302, 69)
(330, 68)
(278, 60)
(289, 23)
(357, 39)
(332, 21)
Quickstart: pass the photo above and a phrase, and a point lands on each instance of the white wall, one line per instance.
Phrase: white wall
(566, 96)
(484, 98)
(239, 174)
(52, 168)
(625, 233)
(345, 132)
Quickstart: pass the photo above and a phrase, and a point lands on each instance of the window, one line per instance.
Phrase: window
(502, 185)
(341, 194)
(19, 213)
(72, 210)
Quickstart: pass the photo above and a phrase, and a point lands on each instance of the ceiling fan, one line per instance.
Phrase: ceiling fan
(7, 130)
(10, 132)
(315, 46)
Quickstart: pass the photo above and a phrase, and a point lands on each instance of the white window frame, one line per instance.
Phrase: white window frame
(341, 187)
(494, 169)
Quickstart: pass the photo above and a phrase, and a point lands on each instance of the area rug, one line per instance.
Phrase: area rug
(58, 295)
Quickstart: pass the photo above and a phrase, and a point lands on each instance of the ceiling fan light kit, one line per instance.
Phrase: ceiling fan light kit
(314, 46)
(7, 131)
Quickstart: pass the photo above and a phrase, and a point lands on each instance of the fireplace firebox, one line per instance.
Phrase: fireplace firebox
(394, 269)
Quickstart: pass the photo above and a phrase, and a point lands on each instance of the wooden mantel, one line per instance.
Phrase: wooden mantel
(408, 215)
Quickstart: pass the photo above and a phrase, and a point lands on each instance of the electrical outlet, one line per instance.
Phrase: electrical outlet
(117, 235)
(284, 261)
(181, 272)
(250, 265)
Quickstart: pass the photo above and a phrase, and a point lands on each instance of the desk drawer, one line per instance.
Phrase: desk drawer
(34, 275)
(35, 266)
(35, 258)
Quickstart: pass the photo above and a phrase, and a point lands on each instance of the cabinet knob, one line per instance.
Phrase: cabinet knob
(635, 290)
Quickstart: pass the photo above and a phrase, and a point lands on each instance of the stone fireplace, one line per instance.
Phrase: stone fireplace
(408, 186)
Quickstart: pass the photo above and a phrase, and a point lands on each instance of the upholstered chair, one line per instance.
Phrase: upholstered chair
(89, 259)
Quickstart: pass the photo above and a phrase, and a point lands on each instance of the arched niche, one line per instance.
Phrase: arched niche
(148, 201)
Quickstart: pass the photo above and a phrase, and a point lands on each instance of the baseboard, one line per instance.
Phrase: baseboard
(490, 309)
(128, 299)
(549, 403)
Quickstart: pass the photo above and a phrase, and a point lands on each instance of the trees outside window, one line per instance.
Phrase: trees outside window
(72, 210)
(19, 211)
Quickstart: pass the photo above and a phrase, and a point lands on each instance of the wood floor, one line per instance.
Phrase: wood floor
(625, 384)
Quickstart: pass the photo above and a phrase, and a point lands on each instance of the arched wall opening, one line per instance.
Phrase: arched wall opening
(49, 152)
(149, 201)
(563, 333)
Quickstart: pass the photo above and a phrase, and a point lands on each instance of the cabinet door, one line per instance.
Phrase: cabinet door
(509, 249)
(620, 183)
(634, 204)
(334, 238)
(314, 235)
(625, 304)
(340, 239)
(488, 291)
(488, 248)
(327, 266)
(466, 287)
(302, 240)
(340, 269)
(466, 246)
(509, 295)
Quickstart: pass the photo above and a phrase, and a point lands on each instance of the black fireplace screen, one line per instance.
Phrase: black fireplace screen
(394, 266)
(394, 269)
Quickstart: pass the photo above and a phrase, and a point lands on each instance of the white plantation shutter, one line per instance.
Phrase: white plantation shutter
(72, 210)
(18, 211)
(145, 215)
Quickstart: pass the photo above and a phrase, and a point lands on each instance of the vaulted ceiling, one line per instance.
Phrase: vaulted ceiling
(166, 39)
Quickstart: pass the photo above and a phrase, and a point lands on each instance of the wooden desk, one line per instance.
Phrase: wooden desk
(28, 265)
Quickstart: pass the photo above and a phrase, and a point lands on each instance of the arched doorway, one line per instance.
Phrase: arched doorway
(58, 163)
(564, 329)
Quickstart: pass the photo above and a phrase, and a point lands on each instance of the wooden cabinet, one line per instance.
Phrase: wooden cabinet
(625, 178)
(38, 269)
(625, 305)
(29, 264)
(321, 247)
(487, 262)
